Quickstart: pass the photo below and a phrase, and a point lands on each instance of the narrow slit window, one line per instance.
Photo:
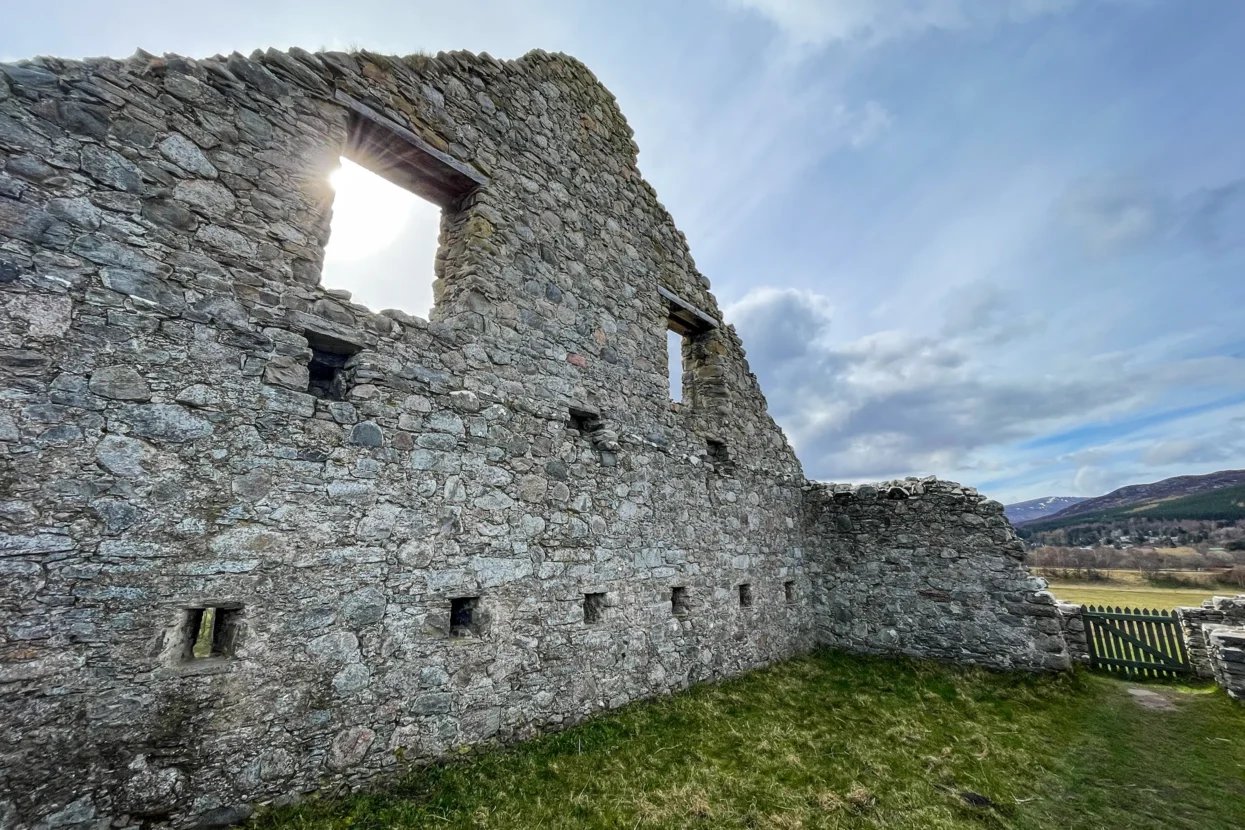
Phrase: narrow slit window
(684, 322)
(679, 605)
(594, 608)
(464, 619)
(788, 591)
(718, 453)
(745, 595)
(209, 633)
(674, 364)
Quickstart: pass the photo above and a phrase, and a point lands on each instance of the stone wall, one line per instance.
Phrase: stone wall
(1195, 622)
(412, 535)
(1227, 655)
(1074, 631)
(929, 569)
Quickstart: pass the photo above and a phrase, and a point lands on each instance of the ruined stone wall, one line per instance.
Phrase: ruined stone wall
(162, 224)
(927, 568)
(171, 441)
(1195, 623)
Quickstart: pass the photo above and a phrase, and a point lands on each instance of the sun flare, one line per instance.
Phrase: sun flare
(369, 213)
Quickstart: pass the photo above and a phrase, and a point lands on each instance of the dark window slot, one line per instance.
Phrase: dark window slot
(679, 604)
(745, 595)
(594, 608)
(210, 632)
(464, 620)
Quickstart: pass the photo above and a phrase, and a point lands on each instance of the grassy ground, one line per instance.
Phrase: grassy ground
(837, 741)
(1133, 596)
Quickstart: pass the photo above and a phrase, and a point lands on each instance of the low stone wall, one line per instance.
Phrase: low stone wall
(1074, 631)
(1226, 647)
(1217, 611)
(927, 568)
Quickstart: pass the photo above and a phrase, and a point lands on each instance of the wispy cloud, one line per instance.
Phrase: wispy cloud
(818, 22)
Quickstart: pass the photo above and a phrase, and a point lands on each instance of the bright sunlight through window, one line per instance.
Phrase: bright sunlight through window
(674, 356)
(382, 242)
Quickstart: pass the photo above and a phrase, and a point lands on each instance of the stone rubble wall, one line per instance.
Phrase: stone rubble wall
(927, 568)
(1227, 654)
(1074, 631)
(1194, 623)
(162, 232)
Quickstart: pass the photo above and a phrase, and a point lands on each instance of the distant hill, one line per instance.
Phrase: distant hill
(1028, 511)
(1217, 496)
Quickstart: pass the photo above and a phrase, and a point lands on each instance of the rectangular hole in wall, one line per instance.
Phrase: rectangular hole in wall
(383, 241)
(788, 591)
(674, 364)
(464, 620)
(745, 595)
(718, 453)
(684, 321)
(679, 605)
(210, 632)
(327, 375)
(594, 608)
(389, 192)
(583, 421)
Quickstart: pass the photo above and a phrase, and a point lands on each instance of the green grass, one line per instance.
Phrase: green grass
(1134, 596)
(839, 741)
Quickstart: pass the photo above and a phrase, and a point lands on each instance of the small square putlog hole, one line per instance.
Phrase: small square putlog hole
(679, 603)
(583, 421)
(464, 619)
(594, 608)
(788, 591)
(745, 595)
(209, 632)
(326, 375)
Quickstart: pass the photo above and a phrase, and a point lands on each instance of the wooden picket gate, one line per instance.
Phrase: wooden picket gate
(1139, 643)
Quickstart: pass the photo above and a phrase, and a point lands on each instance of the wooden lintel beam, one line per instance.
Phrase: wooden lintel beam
(685, 314)
(392, 151)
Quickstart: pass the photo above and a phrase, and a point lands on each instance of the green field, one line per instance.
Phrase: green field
(838, 741)
(1133, 596)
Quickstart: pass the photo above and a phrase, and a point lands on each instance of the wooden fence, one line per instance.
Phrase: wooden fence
(1139, 643)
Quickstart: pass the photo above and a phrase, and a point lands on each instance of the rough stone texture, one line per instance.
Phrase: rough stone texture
(927, 568)
(1227, 656)
(1196, 622)
(1074, 631)
(162, 227)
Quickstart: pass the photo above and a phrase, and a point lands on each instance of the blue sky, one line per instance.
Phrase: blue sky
(1001, 241)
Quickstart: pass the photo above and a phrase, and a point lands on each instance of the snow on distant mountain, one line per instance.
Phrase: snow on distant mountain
(1027, 511)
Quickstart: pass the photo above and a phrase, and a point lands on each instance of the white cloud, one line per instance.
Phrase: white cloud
(965, 401)
(1092, 481)
(818, 22)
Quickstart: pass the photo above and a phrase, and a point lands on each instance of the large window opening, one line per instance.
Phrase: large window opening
(389, 193)
(382, 242)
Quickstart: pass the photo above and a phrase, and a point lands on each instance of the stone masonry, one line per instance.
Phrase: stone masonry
(926, 568)
(256, 539)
